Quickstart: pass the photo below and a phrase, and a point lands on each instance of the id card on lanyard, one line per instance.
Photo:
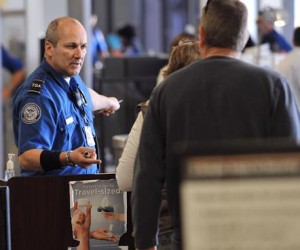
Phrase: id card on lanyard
(89, 136)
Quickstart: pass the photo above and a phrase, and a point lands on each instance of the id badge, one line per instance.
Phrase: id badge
(89, 136)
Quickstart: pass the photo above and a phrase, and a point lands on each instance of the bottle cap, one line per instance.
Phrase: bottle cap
(10, 156)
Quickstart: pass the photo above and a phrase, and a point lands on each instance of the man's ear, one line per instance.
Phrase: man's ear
(201, 36)
(48, 49)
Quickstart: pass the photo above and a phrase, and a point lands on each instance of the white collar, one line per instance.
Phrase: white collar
(67, 79)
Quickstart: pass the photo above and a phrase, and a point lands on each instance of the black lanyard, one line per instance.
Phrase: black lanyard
(76, 94)
(78, 97)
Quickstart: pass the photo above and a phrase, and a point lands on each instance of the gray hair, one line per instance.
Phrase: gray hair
(225, 24)
(268, 15)
(52, 34)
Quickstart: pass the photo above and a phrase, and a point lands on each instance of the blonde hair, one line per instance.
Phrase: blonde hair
(185, 53)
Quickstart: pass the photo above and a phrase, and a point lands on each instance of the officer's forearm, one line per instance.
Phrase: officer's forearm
(30, 160)
(100, 102)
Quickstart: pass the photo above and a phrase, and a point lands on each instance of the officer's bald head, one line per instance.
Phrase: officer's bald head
(53, 34)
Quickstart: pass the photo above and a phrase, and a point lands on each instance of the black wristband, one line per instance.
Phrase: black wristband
(49, 160)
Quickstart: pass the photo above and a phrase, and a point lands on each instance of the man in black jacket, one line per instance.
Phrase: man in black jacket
(219, 97)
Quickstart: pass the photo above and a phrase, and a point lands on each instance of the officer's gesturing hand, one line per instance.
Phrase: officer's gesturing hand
(82, 157)
(51, 160)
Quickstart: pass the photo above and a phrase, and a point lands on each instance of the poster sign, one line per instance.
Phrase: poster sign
(108, 211)
(243, 202)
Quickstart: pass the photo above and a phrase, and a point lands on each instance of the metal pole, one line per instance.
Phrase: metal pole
(81, 10)
(2, 164)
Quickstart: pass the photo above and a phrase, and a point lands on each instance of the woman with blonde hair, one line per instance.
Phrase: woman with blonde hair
(182, 55)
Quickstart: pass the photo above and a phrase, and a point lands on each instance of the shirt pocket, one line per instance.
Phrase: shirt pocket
(66, 126)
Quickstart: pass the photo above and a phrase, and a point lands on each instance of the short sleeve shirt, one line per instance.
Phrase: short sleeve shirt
(46, 117)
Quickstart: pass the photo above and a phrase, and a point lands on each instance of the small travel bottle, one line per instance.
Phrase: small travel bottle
(10, 169)
(110, 234)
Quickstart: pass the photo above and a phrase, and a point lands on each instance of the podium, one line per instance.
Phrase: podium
(244, 193)
(3, 216)
(40, 212)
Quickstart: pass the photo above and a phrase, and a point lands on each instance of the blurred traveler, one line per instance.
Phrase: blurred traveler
(131, 45)
(265, 24)
(17, 70)
(183, 54)
(289, 67)
(218, 97)
(98, 43)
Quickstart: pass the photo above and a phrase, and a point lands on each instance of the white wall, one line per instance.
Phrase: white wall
(54, 9)
(296, 14)
(252, 16)
(38, 14)
(25, 21)
(35, 25)
(13, 24)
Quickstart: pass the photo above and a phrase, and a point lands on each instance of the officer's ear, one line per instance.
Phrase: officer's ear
(48, 49)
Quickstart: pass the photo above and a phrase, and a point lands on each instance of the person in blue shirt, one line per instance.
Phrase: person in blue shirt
(114, 42)
(131, 45)
(98, 43)
(265, 24)
(17, 70)
(52, 110)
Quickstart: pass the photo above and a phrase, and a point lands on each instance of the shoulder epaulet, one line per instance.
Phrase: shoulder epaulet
(37, 84)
